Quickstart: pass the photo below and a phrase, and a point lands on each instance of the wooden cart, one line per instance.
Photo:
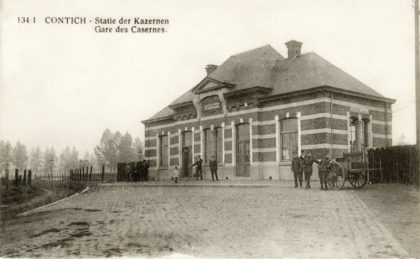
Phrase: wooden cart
(352, 167)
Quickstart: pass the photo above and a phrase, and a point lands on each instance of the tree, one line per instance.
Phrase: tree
(107, 150)
(138, 148)
(126, 153)
(6, 156)
(69, 159)
(74, 158)
(50, 160)
(63, 164)
(36, 160)
(20, 157)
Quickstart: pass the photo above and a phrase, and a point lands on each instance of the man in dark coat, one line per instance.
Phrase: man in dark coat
(323, 172)
(297, 169)
(141, 170)
(307, 168)
(198, 168)
(213, 168)
(145, 170)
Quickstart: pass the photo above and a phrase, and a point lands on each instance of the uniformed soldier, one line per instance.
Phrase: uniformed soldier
(198, 168)
(307, 168)
(323, 167)
(297, 169)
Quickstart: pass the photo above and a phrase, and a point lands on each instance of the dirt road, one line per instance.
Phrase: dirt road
(205, 221)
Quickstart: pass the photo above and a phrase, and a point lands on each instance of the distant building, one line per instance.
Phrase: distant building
(254, 111)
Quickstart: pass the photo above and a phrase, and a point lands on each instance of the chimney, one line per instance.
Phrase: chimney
(210, 68)
(293, 49)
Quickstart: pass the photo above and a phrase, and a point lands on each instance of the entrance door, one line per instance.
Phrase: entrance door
(186, 162)
(242, 150)
(186, 154)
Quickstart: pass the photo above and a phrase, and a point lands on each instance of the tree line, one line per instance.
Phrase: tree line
(112, 148)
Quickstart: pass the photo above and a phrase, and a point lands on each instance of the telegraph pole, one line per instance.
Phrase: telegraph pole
(417, 67)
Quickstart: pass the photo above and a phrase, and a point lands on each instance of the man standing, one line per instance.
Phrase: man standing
(297, 169)
(145, 170)
(198, 168)
(213, 168)
(323, 171)
(307, 168)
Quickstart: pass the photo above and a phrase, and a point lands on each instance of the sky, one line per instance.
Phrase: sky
(64, 84)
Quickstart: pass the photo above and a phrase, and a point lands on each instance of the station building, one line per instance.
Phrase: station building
(258, 108)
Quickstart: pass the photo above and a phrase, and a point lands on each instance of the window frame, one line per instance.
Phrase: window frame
(163, 148)
(289, 134)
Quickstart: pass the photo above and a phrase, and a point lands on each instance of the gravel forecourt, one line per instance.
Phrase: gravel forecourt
(269, 221)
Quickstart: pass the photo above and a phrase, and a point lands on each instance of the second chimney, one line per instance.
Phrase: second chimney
(293, 49)
(210, 68)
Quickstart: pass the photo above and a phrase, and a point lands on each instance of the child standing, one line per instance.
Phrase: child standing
(175, 174)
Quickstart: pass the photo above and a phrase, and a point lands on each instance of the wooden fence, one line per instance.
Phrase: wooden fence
(88, 173)
(398, 164)
(21, 179)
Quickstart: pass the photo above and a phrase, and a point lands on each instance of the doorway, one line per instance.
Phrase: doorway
(243, 150)
(186, 154)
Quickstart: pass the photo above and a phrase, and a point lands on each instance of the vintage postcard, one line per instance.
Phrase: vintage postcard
(209, 129)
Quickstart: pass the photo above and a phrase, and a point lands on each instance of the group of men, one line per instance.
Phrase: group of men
(135, 172)
(302, 165)
(199, 168)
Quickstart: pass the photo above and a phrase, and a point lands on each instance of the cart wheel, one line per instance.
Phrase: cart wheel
(358, 180)
(336, 177)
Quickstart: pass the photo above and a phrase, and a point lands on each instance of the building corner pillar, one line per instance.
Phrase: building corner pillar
(299, 133)
(250, 143)
(233, 143)
(277, 121)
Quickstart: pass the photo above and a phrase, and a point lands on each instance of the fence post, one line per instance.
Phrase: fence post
(103, 172)
(7, 181)
(29, 177)
(16, 177)
(24, 177)
(90, 175)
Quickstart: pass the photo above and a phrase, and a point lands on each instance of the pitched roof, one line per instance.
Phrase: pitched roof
(310, 71)
(165, 112)
(248, 69)
(265, 67)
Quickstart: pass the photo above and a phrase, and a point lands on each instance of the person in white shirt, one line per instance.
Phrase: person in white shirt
(175, 174)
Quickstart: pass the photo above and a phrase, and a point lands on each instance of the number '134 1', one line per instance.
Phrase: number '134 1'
(22, 19)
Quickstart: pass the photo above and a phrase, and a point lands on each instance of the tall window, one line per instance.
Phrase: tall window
(365, 133)
(353, 121)
(163, 151)
(359, 129)
(208, 145)
(219, 141)
(288, 138)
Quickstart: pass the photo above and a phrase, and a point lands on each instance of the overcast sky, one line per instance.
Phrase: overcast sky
(64, 84)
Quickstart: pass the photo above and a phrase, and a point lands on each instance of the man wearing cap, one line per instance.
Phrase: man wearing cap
(297, 168)
(323, 167)
(307, 168)
(198, 168)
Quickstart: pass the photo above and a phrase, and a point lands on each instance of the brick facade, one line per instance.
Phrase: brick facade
(263, 131)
